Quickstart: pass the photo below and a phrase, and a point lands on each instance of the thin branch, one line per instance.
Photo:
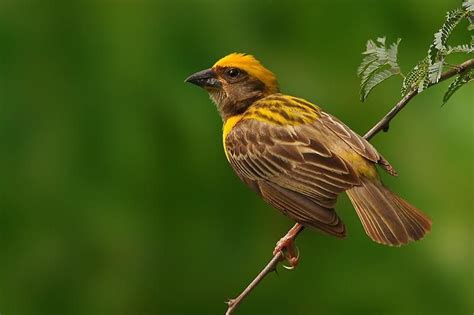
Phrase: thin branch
(384, 123)
(271, 266)
(381, 125)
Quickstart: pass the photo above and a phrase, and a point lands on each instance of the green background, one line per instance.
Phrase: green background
(115, 195)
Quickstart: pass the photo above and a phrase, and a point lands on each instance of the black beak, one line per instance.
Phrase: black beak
(205, 79)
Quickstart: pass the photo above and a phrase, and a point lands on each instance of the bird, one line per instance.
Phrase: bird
(299, 158)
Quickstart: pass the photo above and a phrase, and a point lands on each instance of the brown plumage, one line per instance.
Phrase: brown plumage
(299, 158)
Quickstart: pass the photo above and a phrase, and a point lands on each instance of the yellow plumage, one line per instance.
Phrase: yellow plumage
(228, 125)
(252, 66)
(299, 158)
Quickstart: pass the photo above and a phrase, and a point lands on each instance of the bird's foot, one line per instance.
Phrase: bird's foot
(290, 252)
(286, 245)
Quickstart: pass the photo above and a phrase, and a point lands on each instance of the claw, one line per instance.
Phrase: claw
(287, 248)
(292, 260)
(288, 267)
(297, 253)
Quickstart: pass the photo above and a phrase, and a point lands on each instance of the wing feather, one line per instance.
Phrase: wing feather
(302, 209)
(292, 169)
(356, 142)
(292, 165)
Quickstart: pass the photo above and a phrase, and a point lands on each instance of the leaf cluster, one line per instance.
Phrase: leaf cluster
(380, 63)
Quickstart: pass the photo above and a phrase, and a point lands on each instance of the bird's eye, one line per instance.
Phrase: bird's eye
(233, 72)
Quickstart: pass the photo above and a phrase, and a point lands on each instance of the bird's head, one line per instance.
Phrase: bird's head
(235, 82)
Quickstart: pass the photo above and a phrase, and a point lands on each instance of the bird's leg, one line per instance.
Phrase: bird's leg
(286, 245)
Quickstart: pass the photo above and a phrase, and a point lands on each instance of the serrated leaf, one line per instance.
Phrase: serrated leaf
(365, 63)
(392, 53)
(370, 71)
(468, 5)
(434, 71)
(379, 64)
(417, 78)
(435, 52)
(381, 40)
(423, 84)
(461, 80)
(375, 80)
(466, 48)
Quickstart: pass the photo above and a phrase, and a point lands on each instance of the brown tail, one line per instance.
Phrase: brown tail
(387, 218)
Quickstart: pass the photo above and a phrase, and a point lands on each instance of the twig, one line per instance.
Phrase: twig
(381, 125)
(271, 266)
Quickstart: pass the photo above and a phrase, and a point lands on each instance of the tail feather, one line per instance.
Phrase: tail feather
(387, 218)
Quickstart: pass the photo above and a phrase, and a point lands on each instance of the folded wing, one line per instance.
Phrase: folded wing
(292, 169)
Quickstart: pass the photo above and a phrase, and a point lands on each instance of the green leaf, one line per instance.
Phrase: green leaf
(466, 48)
(417, 78)
(461, 80)
(365, 63)
(379, 64)
(434, 71)
(423, 84)
(435, 52)
(375, 80)
(468, 6)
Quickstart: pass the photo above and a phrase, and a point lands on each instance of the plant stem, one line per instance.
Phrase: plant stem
(385, 121)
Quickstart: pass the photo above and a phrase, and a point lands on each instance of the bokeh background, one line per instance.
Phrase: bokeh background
(115, 195)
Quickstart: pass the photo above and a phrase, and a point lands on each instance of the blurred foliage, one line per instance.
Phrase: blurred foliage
(116, 197)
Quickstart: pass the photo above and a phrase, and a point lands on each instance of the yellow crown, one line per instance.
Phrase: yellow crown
(252, 66)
